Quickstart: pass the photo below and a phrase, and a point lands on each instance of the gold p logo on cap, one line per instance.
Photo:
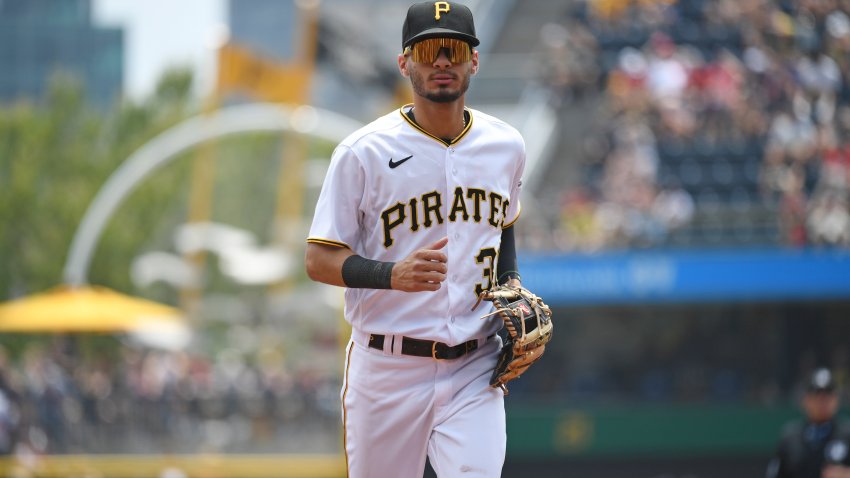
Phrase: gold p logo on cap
(441, 7)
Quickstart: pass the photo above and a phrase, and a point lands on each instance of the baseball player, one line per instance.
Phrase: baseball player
(415, 219)
(819, 446)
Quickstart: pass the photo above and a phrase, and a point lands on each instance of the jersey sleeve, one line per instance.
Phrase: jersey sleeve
(514, 208)
(338, 210)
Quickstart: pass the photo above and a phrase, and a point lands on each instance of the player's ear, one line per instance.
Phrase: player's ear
(402, 66)
(474, 61)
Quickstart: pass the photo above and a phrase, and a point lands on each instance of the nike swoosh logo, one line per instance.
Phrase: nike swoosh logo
(398, 163)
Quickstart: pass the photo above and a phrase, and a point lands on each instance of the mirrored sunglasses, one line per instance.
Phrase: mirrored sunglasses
(426, 51)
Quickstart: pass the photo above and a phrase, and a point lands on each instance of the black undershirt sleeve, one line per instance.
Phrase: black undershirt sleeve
(507, 267)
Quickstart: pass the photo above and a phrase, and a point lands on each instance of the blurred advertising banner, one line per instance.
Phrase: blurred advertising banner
(688, 276)
(646, 430)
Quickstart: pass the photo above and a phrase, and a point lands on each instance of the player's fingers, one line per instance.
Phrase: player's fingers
(425, 286)
(430, 255)
(432, 286)
(432, 277)
(416, 281)
(431, 266)
(439, 244)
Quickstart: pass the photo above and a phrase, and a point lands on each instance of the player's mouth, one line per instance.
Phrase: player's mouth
(443, 79)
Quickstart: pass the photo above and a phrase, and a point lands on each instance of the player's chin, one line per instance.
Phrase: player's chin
(444, 95)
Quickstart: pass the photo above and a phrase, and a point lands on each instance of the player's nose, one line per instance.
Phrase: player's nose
(442, 60)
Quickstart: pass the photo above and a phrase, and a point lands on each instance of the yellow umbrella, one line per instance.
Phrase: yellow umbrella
(87, 309)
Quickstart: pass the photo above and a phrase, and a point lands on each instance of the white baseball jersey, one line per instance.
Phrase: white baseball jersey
(393, 188)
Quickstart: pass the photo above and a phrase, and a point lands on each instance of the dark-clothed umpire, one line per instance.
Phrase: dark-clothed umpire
(819, 446)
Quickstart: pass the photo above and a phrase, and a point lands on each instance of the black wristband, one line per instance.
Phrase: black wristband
(506, 276)
(361, 273)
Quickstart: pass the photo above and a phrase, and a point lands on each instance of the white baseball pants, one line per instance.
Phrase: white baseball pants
(398, 408)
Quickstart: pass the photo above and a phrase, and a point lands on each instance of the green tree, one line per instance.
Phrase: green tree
(54, 157)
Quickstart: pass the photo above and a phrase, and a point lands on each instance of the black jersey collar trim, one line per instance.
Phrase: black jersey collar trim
(441, 140)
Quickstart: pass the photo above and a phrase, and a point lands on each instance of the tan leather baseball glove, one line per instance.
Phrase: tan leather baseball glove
(528, 321)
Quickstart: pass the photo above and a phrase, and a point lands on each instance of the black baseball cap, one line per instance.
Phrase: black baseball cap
(821, 381)
(438, 20)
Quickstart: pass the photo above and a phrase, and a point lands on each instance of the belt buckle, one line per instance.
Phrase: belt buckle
(434, 351)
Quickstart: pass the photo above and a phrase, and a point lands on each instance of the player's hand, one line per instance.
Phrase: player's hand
(835, 471)
(422, 270)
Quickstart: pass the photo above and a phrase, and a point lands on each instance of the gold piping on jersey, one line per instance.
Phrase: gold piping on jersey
(518, 211)
(344, 411)
(443, 142)
(327, 242)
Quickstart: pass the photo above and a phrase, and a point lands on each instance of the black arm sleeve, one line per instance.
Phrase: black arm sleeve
(507, 267)
(361, 273)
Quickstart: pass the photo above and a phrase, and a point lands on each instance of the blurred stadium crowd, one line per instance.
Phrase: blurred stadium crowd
(58, 400)
(722, 122)
(710, 355)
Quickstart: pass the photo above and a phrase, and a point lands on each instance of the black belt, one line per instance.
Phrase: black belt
(427, 348)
